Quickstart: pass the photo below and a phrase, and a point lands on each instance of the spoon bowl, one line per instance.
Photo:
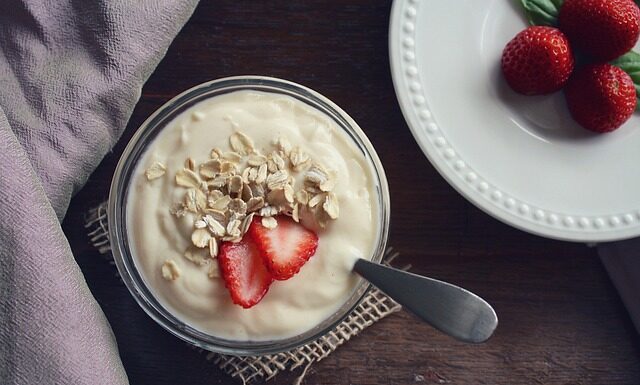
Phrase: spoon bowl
(451, 309)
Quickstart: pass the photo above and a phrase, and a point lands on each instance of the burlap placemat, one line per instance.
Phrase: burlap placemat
(375, 306)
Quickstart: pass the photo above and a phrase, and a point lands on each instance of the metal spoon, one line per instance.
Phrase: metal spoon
(449, 308)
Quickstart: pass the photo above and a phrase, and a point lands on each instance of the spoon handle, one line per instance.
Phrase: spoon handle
(449, 308)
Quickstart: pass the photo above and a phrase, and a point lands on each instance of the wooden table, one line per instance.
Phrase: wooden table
(561, 320)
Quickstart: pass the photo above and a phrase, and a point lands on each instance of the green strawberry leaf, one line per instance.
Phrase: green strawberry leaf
(630, 63)
(542, 12)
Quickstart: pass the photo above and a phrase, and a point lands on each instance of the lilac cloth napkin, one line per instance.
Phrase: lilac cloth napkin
(70, 74)
(622, 261)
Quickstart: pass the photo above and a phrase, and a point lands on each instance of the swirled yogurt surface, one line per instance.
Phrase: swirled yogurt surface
(156, 235)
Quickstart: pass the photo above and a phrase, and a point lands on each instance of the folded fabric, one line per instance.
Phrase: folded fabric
(622, 261)
(72, 71)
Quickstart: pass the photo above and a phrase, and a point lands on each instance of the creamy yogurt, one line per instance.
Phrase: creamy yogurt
(290, 307)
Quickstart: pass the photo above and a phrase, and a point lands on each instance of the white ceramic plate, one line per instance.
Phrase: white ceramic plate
(521, 159)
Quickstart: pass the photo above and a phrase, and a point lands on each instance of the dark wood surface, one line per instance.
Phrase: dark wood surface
(561, 320)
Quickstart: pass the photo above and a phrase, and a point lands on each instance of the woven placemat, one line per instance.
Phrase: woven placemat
(375, 306)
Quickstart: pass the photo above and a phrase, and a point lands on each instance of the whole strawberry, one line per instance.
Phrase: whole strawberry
(601, 97)
(603, 29)
(537, 61)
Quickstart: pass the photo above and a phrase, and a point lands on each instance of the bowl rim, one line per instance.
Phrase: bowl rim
(116, 211)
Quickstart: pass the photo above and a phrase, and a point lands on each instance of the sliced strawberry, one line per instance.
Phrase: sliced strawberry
(244, 272)
(286, 248)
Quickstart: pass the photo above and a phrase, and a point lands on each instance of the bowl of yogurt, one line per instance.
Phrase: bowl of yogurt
(213, 160)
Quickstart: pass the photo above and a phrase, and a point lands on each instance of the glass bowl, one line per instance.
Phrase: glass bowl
(118, 205)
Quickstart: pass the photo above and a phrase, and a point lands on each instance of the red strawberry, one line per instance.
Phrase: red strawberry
(537, 61)
(244, 272)
(286, 248)
(603, 29)
(601, 97)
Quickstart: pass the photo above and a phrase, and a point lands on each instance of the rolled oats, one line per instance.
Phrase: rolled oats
(215, 194)
(155, 171)
(233, 228)
(237, 206)
(288, 193)
(201, 200)
(214, 226)
(298, 158)
(246, 222)
(269, 222)
(271, 165)
(213, 248)
(220, 216)
(257, 190)
(283, 145)
(330, 206)
(312, 189)
(232, 238)
(313, 202)
(295, 215)
(187, 178)
(210, 168)
(189, 201)
(268, 211)
(255, 204)
(170, 271)
(261, 175)
(253, 174)
(277, 179)
(329, 183)
(235, 184)
(302, 197)
(178, 210)
(198, 256)
(232, 157)
(200, 238)
(278, 161)
(228, 168)
(221, 204)
(217, 182)
(241, 143)
(256, 160)
(190, 164)
(316, 175)
(245, 175)
(247, 194)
